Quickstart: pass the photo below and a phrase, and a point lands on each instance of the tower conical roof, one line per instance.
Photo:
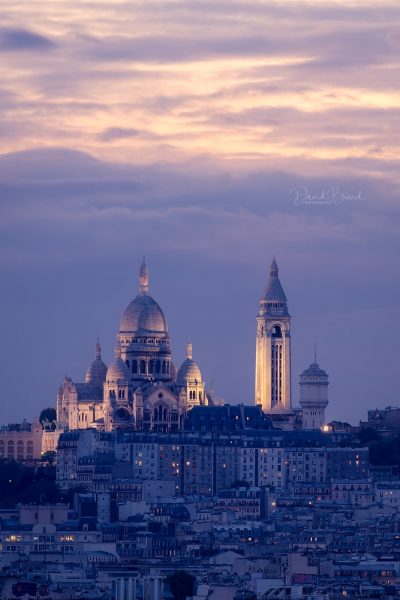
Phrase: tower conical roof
(274, 289)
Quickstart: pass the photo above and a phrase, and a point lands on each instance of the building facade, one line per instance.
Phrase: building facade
(141, 388)
(21, 442)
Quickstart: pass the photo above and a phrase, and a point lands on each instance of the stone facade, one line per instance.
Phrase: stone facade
(273, 353)
(141, 388)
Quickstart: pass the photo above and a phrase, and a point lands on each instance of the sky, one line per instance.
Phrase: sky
(209, 137)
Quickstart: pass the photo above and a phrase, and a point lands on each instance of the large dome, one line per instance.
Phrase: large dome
(143, 315)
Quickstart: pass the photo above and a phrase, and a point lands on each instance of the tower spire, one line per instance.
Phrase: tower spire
(189, 349)
(273, 347)
(144, 278)
(274, 270)
(315, 352)
(98, 349)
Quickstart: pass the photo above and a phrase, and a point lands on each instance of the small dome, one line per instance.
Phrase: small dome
(96, 373)
(118, 371)
(189, 370)
(314, 370)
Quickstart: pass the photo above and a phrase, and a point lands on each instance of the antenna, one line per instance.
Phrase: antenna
(315, 352)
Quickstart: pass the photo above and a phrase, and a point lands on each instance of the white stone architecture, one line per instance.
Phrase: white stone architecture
(273, 376)
(141, 388)
(21, 442)
(314, 396)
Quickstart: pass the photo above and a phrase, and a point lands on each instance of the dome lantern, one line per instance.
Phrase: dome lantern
(144, 278)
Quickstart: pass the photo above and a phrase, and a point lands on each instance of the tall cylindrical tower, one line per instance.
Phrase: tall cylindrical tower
(313, 396)
(273, 373)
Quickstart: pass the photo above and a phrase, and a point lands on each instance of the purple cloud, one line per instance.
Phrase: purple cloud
(19, 40)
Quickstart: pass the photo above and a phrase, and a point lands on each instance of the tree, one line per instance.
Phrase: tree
(368, 434)
(48, 416)
(181, 584)
(49, 457)
(21, 483)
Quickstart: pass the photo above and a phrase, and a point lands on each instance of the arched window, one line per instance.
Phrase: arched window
(10, 449)
(168, 367)
(1, 449)
(158, 366)
(29, 449)
(142, 367)
(190, 395)
(194, 395)
(128, 365)
(160, 413)
(276, 331)
(151, 366)
(164, 367)
(134, 366)
(20, 449)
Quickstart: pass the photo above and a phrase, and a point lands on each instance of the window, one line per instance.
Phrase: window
(20, 449)
(142, 367)
(29, 449)
(134, 366)
(10, 449)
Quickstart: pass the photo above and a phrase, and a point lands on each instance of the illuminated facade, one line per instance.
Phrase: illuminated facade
(273, 377)
(141, 388)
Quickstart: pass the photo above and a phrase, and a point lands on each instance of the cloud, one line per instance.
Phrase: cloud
(19, 40)
(118, 133)
(180, 130)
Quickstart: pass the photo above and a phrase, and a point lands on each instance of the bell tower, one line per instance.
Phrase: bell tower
(273, 376)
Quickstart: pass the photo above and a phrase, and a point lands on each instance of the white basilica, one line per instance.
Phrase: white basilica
(141, 388)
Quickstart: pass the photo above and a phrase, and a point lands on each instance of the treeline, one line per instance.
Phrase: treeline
(24, 484)
(383, 450)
